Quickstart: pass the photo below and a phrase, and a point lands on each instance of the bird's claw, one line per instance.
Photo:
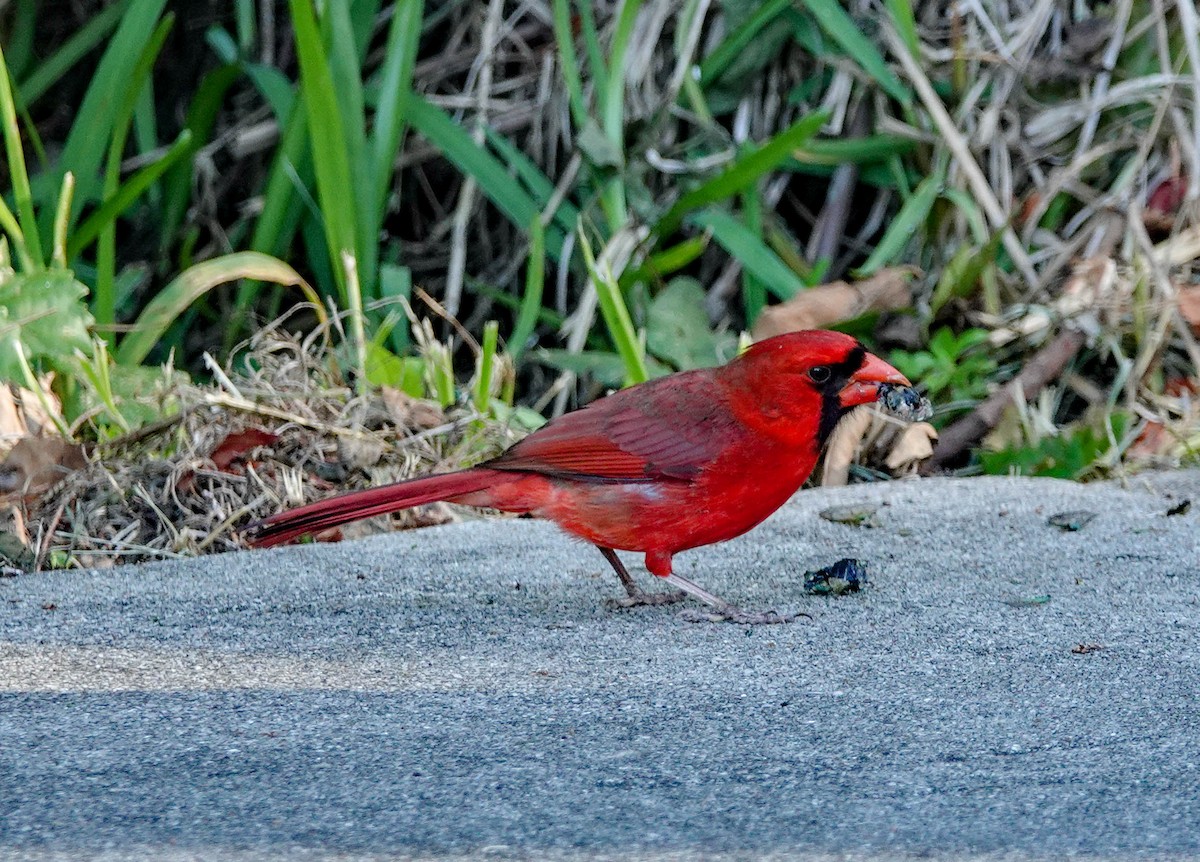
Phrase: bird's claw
(644, 599)
(738, 616)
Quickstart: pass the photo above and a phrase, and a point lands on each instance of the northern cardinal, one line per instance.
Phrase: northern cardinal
(686, 460)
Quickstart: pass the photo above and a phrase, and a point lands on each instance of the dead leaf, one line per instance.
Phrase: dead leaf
(36, 464)
(1189, 306)
(831, 303)
(861, 515)
(239, 444)
(913, 446)
(1073, 521)
(359, 453)
(415, 413)
(843, 446)
(12, 427)
(1163, 203)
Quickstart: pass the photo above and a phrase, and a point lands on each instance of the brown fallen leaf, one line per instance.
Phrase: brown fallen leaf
(413, 413)
(1189, 306)
(1164, 202)
(912, 446)
(239, 444)
(843, 447)
(12, 426)
(831, 303)
(36, 464)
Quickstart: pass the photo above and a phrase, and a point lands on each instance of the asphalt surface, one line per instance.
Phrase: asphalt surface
(1002, 689)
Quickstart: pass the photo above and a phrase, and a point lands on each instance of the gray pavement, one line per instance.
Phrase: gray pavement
(1001, 690)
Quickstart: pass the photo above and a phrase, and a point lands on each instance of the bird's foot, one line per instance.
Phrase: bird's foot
(640, 598)
(738, 616)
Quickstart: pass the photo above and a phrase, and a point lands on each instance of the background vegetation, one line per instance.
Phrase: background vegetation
(521, 203)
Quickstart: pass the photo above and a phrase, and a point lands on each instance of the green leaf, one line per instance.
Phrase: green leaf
(678, 331)
(385, 368)
(46, 314)
(963, 272)
(751, 252)
(599, 149)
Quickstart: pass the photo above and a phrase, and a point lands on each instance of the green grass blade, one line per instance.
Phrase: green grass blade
(836, 22)
(745, 171)
(539, 185)
(906, 24)
(395, 81)
(598, 69)
(715, 64)
(661, 264)
(907, 224)
(569, 60)
(19, 33)
(86, 144)
(487, 359)
(174, 299)
(51, 70)
(282, 208)
(103, 297)
(616, 316)
(8, 223)
(200, 120)
(612, 108)
(754, 292)
(327, 139)
(62, 217)
(129, 191)
(751, 252)
(27, 243)
(341, 34)
(457, 146)
(246, 24)
(531, 299)
(860, 151)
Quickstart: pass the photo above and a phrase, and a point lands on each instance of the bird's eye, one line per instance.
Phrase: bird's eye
(819, 374)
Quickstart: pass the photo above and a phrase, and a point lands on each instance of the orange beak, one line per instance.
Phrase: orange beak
(863, 387)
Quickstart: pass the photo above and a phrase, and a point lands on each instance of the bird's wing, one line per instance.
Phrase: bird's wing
(665, 429)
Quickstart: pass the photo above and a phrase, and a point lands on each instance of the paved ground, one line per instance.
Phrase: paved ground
(1002, 690)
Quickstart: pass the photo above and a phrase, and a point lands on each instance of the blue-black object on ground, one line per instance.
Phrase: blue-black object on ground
(844, 576)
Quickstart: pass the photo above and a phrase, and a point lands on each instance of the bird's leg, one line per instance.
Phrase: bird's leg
(723, 610)
(636, 595)
(659, 563)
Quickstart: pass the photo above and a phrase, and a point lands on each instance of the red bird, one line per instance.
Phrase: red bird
(675, 463)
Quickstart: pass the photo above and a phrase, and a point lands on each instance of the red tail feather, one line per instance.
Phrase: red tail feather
(357, 505)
